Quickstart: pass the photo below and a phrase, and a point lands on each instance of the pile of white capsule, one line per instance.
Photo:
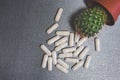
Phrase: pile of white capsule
(68, 49)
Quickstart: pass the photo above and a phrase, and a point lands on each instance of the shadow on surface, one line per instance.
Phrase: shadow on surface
(73, 16)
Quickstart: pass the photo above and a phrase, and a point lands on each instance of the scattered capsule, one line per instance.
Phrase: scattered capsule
(44, 62)
(87, 62)
(46, 50)
(52, 28)
(60, 41)
(49, 63)
(54, 57)
(79, 49)
(52, 40)
(61, 46)
(63, 33)
(71, 39)
(72, 60)
(77, 65)
(81, 41)
(59, 14)
(83, 52)
(69, 49)
(97, 44)
(62, 63)
(65, 55)
(61, 68)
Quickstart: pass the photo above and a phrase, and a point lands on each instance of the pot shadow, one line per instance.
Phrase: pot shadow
(73, 16)
(89, 3)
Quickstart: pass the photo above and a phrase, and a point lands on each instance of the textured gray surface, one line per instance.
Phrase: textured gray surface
(22, 28)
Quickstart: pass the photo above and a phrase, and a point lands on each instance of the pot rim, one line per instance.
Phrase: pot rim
(110, 19)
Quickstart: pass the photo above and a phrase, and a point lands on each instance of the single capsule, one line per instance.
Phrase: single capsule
(72, 60)
(62, 63)
(46, 50)
(77, 65)
(52, 28)
(97, 44)
(87, 62)
(49, 63)
(59, 14)
(61, 68)
(44, 61)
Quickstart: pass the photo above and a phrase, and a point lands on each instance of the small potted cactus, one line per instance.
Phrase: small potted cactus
(91, 20)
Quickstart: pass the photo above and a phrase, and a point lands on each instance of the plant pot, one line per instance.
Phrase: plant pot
(112, 6)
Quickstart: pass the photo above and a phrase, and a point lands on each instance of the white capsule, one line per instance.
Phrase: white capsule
(77, 65)
(97, 44)
(44, 62)
(65, 55)
(72, 60)
(61, 46)
(46, 50)
(52, 28)
(50, 63)
(54, 57)
(61, 68)
(52, 40)
(60, 41)
(69, 49)
(79, 49)
(77, 37)
(71, 39)
(63, 33)
(82, 40)
(58, 15)
(62, 63)
(83, 52)
(87, 62)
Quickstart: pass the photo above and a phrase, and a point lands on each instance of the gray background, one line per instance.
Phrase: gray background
(22, 29)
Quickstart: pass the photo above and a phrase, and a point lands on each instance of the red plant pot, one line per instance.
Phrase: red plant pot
(112, 6)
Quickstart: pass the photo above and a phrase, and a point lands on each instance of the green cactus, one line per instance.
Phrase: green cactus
(90, 21)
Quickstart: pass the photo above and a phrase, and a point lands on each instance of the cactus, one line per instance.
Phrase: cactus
(90, 21)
